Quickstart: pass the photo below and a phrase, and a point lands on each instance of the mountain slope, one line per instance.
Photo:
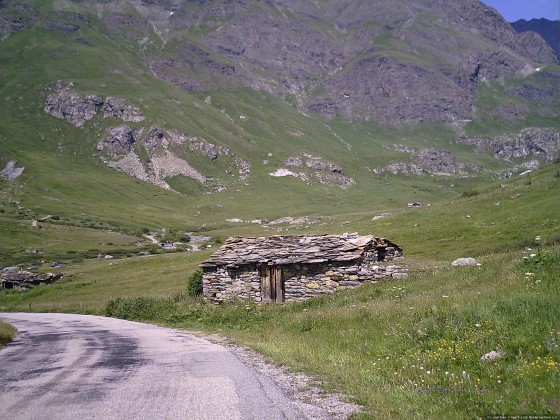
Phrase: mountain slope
(422, 60)
(549, 30)
(204, 112)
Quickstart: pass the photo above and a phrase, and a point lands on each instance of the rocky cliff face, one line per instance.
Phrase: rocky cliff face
(415, 61)
(542, 143)
(419, 61)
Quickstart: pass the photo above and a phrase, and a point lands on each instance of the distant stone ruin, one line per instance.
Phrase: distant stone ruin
(15, 278)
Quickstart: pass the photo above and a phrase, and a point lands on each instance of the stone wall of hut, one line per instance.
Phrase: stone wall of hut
(223, 283)
(301, 281)
(308, 280)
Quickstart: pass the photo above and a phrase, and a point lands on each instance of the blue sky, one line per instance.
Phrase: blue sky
(513, 10)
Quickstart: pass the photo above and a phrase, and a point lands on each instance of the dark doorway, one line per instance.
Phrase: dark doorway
(272, 278)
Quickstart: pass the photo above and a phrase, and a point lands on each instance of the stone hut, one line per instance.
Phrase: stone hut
(20, 279)
(296, 267)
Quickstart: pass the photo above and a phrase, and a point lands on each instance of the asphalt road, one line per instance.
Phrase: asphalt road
(64, 366)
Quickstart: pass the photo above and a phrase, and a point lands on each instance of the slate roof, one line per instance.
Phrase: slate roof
(293, 249)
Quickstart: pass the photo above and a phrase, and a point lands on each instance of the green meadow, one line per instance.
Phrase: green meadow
(399, 348)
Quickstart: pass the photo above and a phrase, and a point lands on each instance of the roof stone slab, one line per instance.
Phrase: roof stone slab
(294, 249)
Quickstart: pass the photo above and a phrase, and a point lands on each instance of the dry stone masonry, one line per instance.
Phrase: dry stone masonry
(20, 279)
(297, 267)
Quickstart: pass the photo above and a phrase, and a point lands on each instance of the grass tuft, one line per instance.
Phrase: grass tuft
(7, 333)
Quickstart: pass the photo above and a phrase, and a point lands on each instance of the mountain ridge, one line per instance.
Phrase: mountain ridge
(549, 30)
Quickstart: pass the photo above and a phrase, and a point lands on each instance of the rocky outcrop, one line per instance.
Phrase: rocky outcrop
(118, 108)
(312, 162)
(326, 173)
(64, 102)
(400, 168)
(400, 148)
(331, 179)
(125, 25)
(293, 161)
(162, 138)
(437, 161)
(119, 142)
(21, 279)
(15, 17)
(11, 172)
(543, 143)
(323, 166)
(167, 155)
(67, 104)
(433, 161)
(67, 28)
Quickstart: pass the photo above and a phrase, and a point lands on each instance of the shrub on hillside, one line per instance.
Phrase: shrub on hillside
(194, 284)
(470, 193)
(7, 333)
(140, 308)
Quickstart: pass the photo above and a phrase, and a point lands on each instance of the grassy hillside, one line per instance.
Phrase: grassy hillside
(402, 349)
(490, 220)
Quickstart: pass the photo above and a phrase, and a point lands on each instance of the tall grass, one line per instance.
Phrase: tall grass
(413, 348)
(7, 333)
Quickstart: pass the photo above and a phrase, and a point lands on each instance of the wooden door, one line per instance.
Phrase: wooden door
(272, 279)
